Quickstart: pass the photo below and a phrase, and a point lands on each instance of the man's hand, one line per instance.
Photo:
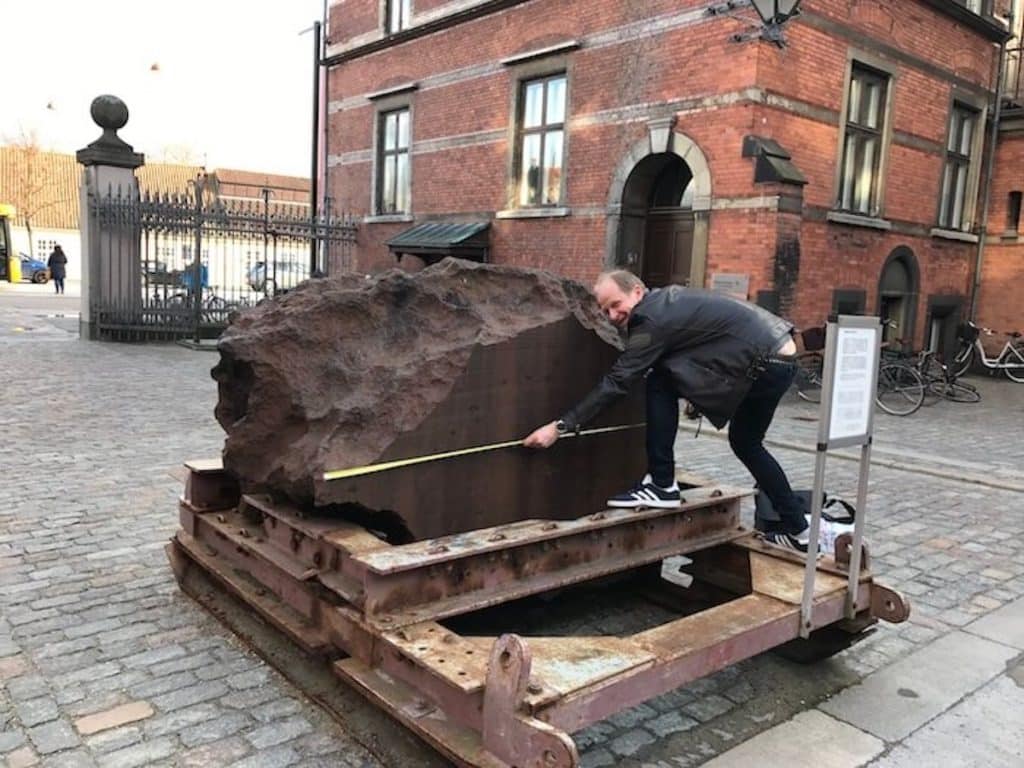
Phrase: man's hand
(542, 437)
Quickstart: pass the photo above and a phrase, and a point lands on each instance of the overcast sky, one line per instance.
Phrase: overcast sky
(231, 87)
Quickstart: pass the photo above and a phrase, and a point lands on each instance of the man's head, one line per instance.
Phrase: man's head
(617, 293)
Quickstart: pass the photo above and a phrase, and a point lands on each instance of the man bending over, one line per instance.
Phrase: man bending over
(732, 360)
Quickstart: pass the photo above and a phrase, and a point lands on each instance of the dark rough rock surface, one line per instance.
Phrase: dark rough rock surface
(350, 371)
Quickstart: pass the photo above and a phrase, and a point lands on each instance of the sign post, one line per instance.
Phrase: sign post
(846, 418)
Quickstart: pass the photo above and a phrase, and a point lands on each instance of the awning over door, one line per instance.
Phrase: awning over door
(433, 240)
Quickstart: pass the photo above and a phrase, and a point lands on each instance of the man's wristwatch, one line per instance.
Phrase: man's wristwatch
(562, 427)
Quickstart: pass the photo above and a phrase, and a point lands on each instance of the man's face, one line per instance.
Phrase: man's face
(616, 303)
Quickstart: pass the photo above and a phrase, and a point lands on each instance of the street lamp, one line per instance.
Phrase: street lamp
(775, 13)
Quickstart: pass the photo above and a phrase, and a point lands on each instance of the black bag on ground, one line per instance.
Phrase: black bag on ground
(833, 509)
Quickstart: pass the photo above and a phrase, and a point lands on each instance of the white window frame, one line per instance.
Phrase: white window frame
(543, 129)
(845, 190)
(382, 153)
(396, 15)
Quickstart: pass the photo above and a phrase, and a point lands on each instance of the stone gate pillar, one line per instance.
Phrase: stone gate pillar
(111, 269)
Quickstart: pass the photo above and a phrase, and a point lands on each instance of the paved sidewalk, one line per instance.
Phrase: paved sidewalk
(103, 662)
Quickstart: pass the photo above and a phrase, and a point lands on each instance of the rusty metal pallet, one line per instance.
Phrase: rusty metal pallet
(506, 701)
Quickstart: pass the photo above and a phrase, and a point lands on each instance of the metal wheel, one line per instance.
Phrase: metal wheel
(808, 377)
(958, 393)
(900, 389)
(963, 360)
(1015, 357)
(933, 374)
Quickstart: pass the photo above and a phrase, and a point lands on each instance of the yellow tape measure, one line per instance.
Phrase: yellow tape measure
(369, 469)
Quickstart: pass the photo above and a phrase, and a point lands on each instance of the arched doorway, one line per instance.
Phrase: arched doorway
(897, 294)
(657, 220)
(658, 207)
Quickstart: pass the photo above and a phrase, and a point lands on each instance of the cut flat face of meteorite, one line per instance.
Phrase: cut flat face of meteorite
(352, 371)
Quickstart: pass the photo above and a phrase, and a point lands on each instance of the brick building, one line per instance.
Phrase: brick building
(839, 172)
(1002, 263)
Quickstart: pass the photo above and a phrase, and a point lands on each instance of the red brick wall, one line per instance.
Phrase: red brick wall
(352, 18)
(836, 256)
(696, 65)
(999, 301)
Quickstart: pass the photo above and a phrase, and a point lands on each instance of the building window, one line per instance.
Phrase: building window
(398, 14)
(1013, 212)
(860, 170)
(541, 140)
(952, 209)
(980, 7)
(393, 162)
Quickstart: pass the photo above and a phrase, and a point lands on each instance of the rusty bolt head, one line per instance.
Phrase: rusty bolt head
(717, 493)
(549, 526)
(243, 533)
(534, 688)
(220, 519)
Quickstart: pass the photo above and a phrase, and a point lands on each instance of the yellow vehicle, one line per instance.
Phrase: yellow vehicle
(10, 264)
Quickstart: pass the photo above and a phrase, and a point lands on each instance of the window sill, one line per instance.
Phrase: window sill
(553, 212)
(388, 218)
(1010, 234)
(856, 220)
(953, 234)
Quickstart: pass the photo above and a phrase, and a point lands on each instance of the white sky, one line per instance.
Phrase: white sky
(234, 86)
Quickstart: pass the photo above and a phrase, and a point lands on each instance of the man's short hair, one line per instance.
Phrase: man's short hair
(623, 278)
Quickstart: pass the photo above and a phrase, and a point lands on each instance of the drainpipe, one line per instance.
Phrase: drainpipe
(314, 176)
(324, 136)
(989, 163)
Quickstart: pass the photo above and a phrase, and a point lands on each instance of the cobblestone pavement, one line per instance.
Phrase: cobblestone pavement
(103, 662)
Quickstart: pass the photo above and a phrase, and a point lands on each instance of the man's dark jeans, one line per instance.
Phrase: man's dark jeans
(747, 429)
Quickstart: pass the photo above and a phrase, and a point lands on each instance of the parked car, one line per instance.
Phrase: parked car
(34, 269)
(281, 275)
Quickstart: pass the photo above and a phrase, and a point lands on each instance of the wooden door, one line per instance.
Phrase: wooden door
(668, 249)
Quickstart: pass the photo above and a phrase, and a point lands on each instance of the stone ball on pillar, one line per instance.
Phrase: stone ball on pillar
(109, 112)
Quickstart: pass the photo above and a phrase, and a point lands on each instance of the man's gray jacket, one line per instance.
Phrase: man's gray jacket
(712, 346)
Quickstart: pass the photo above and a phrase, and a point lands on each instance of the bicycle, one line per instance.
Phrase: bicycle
(900, 390)
(808, 376)
(1010, 359)
(941, 380)
(214, 310)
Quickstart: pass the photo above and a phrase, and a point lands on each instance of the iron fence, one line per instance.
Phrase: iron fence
(177, 265)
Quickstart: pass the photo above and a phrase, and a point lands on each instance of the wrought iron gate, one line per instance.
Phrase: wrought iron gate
(168, 266)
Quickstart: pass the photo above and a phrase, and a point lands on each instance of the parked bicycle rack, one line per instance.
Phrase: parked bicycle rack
(382, 615)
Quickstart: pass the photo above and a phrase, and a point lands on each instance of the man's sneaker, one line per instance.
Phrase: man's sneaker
(794, 543)
(647, 494)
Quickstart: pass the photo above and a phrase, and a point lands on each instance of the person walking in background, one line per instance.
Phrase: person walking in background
(58, 268)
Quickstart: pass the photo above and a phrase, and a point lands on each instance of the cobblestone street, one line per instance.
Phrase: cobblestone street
(103, 662)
